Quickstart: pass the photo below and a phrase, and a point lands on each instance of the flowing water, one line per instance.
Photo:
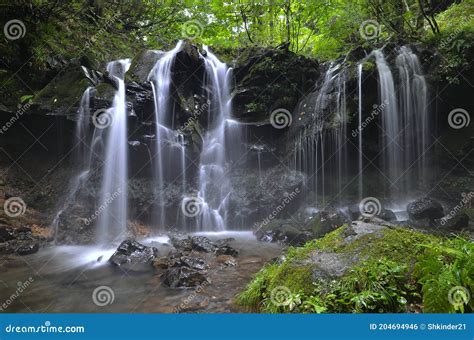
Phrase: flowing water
(83, 158)
(65, 277)
(219, 143)
(360, 173)
(112, 223)
(160, 77)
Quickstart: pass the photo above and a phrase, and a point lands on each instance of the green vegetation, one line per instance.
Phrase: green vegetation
(391, 270)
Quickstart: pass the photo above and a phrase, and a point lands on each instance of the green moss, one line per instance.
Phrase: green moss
(393, 270)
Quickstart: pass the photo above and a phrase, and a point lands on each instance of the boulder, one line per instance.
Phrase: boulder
(183, 277)
(226, 260)
(197, 243)
(325, 222)
(387, 215)
(425, 208)
(226, 250)
(458, 221)
(132, 254)
(282, 231)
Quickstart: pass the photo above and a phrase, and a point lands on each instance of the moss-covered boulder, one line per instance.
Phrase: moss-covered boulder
(366, 267)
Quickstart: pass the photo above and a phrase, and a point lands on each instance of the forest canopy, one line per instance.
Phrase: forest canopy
(320, 28)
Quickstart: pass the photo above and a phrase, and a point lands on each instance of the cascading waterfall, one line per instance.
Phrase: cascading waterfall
(160, 77)
(391, 141)
(313, 154)
(320, 149)
(214, 184)
(82, 156)
(112, 223)
(360, 174)
(405, 120)
(413, 96)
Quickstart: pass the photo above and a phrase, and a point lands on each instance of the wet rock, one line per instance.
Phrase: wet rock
(202, 243)
(6, 234)
(131, 253)
(183, 277)
(226, 260)
(425, 208)
(282, 231)
(197, 243)
(325, 222)
(387, 215)
(161, 263)
(254, 202)
(27, 248)
(42, 233)
(192, 262)
(142, 64)
(226, 250)
(458, 221)
(353, 213)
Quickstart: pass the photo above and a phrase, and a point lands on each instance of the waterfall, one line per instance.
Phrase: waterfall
(341, 131)
(214, 184)
(82, 157)
(405, 121)
(160, 77)
(413, 112)
(314, 153)
(360, 174)
(391, 141)
(112, 221)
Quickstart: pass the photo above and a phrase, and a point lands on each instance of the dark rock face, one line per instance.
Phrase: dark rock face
(289, 74)
(425, 208)
(257, 198)
(131, 253)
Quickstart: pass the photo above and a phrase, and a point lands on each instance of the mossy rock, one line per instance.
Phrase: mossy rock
(365, 267)
(61, 96)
